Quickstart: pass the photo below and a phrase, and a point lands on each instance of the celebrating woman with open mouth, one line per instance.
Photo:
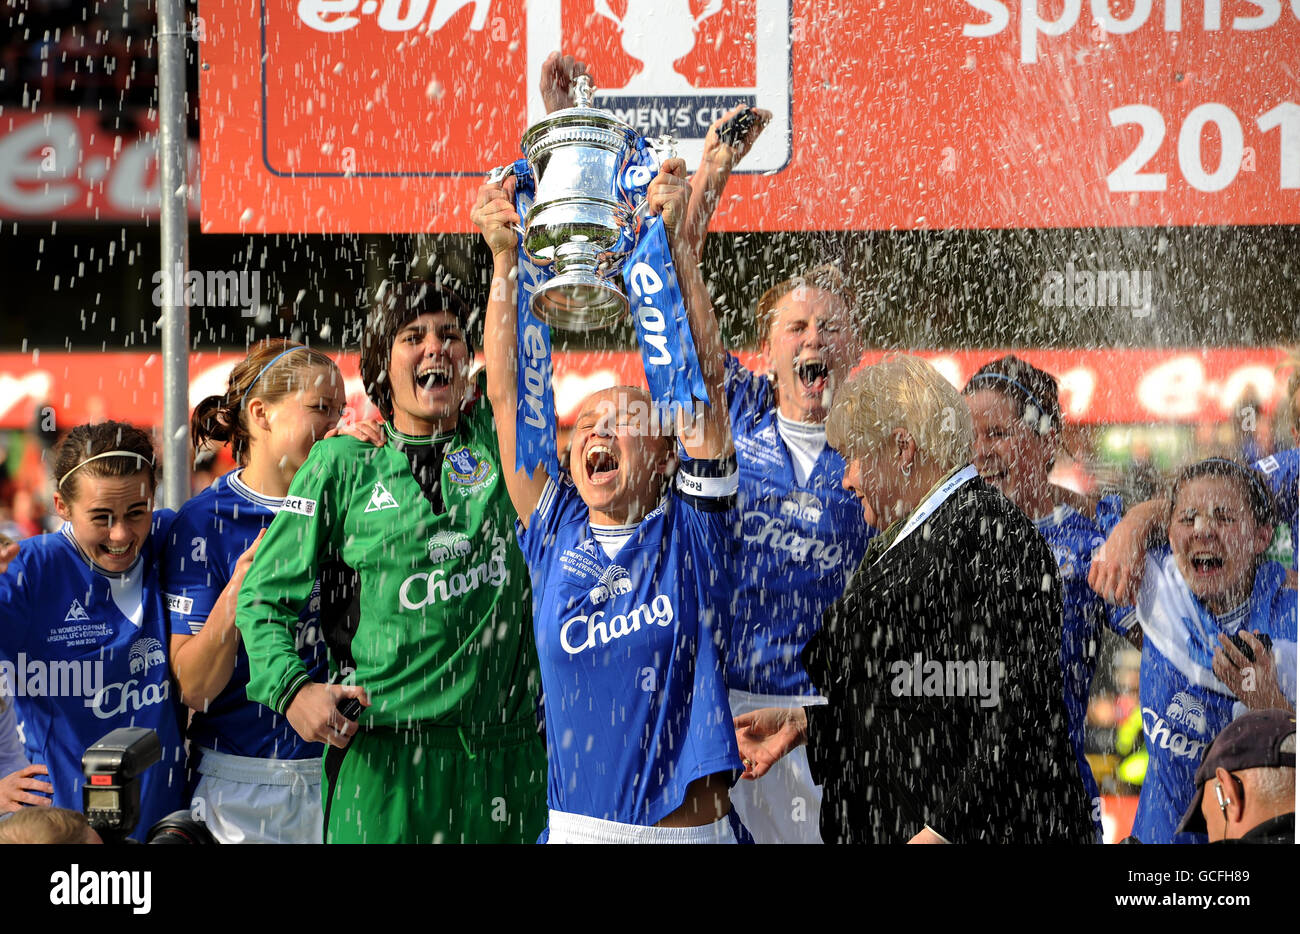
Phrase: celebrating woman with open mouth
(627, 553)
(446, 748)
(1209, 585)
(84, 603)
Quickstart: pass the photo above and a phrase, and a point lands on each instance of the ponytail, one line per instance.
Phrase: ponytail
(269, 372)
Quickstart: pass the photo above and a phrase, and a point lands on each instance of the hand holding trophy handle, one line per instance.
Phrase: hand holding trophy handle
(583, 92)
(496, 177)
(665, 148)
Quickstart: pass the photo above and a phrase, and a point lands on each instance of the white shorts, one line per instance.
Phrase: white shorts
(574, 828)
(244, 800)
(785, 805)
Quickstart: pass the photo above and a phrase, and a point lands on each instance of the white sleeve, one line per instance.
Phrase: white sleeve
(710, 485)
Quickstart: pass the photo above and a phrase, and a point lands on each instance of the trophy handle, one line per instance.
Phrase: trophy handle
(500, 174)
(665, 147)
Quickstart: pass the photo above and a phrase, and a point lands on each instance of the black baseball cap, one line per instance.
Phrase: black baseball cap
(1252, 741)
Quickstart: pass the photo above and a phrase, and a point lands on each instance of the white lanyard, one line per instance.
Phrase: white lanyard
(931, 503)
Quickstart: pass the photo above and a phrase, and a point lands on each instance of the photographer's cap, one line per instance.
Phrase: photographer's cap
(1252, 741)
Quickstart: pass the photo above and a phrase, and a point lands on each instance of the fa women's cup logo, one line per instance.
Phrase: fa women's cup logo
(657, 33)
(675, 66)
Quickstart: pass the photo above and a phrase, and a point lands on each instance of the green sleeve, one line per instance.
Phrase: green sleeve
(285, 568)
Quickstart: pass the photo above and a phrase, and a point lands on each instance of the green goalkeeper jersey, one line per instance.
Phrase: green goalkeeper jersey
(444, 634)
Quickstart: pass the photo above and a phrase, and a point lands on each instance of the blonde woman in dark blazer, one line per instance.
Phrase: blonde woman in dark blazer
(946, 720)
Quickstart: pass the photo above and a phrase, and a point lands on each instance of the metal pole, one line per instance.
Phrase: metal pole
(172, 142)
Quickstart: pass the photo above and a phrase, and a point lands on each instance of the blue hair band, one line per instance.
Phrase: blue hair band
(1042, 409)
(262, 371)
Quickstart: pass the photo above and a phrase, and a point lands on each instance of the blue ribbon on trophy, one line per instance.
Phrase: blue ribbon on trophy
(582, 228)
(672, 370)
(663, 329)
(535, 407)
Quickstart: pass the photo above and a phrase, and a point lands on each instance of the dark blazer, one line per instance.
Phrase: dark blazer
(978, 753)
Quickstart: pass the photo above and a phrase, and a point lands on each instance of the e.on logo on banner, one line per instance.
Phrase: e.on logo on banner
(390, 88)
(390, 15)
(675, 66)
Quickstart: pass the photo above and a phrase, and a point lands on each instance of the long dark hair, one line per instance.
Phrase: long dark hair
(397, 304)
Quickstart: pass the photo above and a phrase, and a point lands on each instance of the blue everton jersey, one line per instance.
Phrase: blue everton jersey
(1073, 539)
(1184, 705)
(86, 653)
(1109, 510)
(1282, 473)
(631, 650)
(799, 543)
(210, 533)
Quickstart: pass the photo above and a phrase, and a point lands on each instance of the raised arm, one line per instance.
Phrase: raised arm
(710, 179)
(559, 71)
(707, 436)
(493, 214)
(1116, 572)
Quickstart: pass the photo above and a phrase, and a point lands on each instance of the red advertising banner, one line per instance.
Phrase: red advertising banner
(62, 164)
(383, 115)
(1097, 386)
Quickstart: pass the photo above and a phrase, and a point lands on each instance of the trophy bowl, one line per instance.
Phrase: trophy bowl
(580, 213)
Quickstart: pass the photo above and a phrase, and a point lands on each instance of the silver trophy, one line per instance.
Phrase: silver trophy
(580, 211)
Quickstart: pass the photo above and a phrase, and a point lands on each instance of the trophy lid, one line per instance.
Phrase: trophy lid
(583, 113)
